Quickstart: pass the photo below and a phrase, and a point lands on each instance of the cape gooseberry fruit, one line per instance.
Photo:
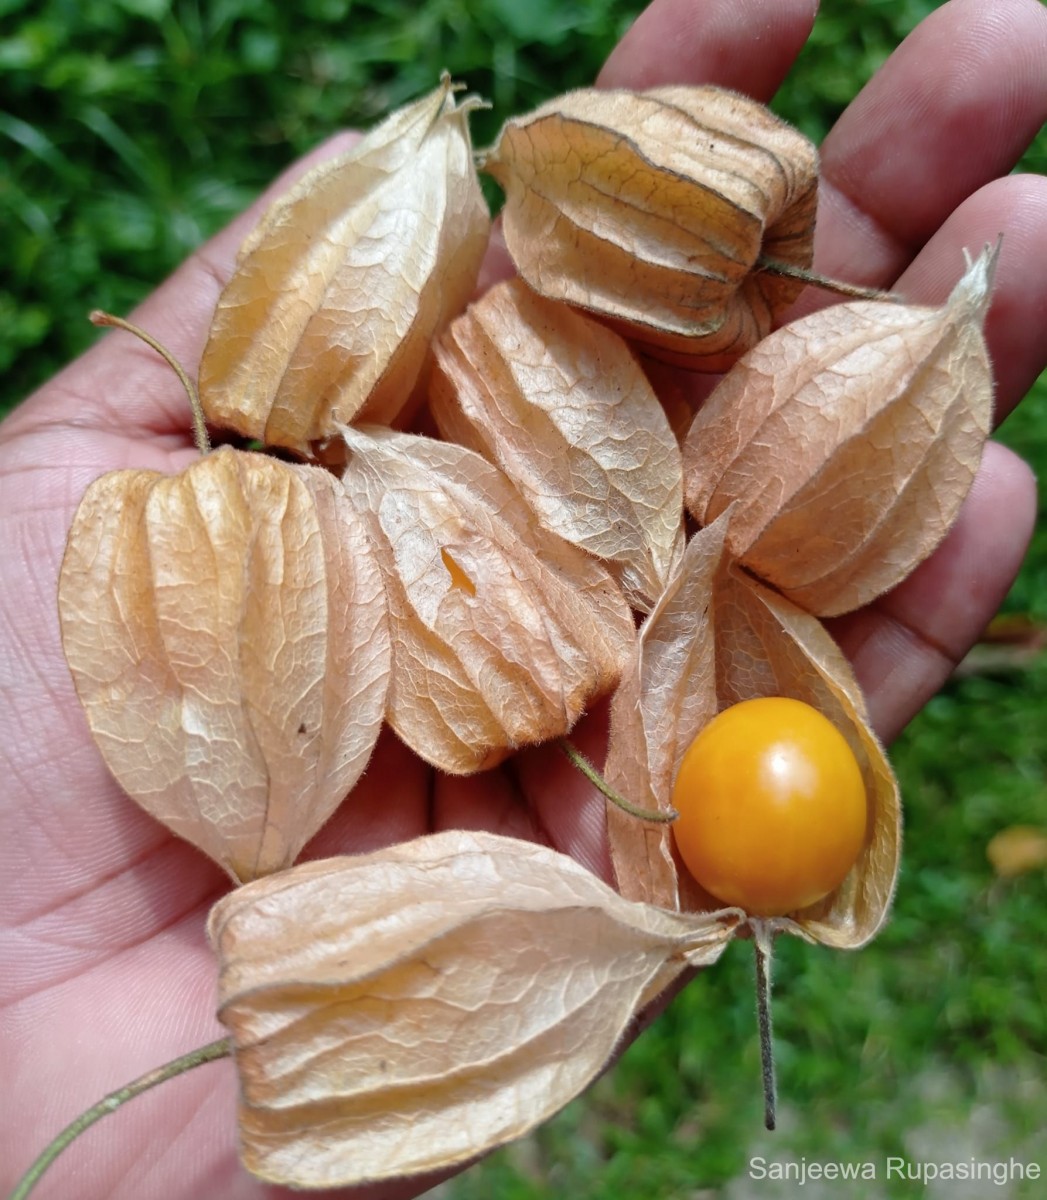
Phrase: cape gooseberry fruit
(772, 806)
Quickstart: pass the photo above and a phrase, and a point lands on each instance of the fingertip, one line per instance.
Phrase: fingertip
(954, 107)
(1012, 210)
(746, 45)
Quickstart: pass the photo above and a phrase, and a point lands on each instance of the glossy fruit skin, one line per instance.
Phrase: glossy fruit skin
(773, 808)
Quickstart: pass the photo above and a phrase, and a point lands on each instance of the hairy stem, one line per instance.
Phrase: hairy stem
(195, 1058)
(203, 443)
(579, 760)
(762, 940)
(789, 271)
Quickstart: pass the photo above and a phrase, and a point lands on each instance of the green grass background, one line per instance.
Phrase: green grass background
(131, 129)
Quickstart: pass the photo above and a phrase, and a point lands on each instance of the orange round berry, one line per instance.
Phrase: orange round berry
(772, 806)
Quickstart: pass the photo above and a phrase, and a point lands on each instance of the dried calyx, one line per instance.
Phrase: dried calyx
(463, 988)
(652, 210)
(341, 287)
(237, 633)
(559, 402)
(854, 433)
(502, 631)
(227, 633)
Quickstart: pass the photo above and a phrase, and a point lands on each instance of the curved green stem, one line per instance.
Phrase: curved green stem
(789, 271)
(195, 1058)
(579, 760)
(203, 443)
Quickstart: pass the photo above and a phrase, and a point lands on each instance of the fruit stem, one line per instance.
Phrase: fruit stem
(789, 271)
(195, 1058)
(579, 760)
(762, 941)
(203, 443)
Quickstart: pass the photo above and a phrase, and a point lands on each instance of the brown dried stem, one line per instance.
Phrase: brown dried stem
(855, 291)
(203, 442)
(762, 941)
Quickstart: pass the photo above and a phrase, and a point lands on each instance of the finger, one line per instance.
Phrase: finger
(904, 646)
(954, 107)
(122, 385)
(748, 45)
(1013, 211)
(1016, 325)
(489, 801)
(389, 804)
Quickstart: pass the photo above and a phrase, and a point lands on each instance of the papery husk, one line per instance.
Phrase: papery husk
(501, 632)
(716, 638)
(560, 403)
(226, 631)
(650, 209)
(667, 693)
(404, 1011)
(339, 291)
(846, 443)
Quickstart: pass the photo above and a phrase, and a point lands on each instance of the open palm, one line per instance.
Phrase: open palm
(106, 971)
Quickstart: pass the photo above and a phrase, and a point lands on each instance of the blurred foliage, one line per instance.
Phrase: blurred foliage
(132, 129)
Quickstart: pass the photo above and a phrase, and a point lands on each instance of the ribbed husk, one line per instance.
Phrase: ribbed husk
(718, 637)
(651, 210)
(845, 443)
(226, 630)
(340, 289)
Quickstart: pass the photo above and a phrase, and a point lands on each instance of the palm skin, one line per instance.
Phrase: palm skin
(106, 972)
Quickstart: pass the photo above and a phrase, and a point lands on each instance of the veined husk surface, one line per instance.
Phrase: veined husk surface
(561, 404)
(717, 637)
(502, 632)
(651, 210)
(407, 1010)
(227, 634)
(845, 443)
(341, 287)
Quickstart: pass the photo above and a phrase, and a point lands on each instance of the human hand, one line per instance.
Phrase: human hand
(107, 969)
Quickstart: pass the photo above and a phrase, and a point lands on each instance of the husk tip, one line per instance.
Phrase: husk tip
(974, 290)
